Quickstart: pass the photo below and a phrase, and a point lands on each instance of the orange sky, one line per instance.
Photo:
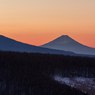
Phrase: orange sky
(39, 21)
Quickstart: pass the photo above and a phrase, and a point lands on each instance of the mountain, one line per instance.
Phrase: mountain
(7, 44)
(68, 44)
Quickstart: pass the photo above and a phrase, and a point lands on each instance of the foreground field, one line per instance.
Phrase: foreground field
(84, 84)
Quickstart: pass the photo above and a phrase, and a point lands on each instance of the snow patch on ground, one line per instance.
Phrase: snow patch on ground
(83, 84)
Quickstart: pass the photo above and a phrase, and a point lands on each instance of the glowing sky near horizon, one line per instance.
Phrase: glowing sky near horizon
(39, 21)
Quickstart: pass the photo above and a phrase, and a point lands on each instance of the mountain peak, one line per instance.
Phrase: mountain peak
(63, 39)
(64, 42)
(64, 36)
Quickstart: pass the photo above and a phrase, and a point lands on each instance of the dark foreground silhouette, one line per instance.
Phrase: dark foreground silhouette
(31, 73)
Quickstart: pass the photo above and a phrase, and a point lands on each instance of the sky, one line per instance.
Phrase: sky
(37, 22)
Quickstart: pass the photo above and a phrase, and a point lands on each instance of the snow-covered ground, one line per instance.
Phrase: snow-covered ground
(84, 84)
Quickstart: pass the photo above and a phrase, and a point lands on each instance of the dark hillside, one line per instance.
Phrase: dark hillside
(30, 73)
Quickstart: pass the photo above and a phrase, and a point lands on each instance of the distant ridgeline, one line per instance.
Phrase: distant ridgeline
(66, 43)
(7, 44)
(32, 73)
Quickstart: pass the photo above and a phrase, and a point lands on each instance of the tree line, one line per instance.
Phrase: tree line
(30, 73)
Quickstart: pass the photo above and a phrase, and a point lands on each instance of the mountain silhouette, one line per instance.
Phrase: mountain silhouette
(66, 43)
(7, 44)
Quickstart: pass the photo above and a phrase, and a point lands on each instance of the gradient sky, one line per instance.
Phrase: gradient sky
(39, 21)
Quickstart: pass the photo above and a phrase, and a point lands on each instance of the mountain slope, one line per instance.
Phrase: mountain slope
(7, 44)
(68, 44)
